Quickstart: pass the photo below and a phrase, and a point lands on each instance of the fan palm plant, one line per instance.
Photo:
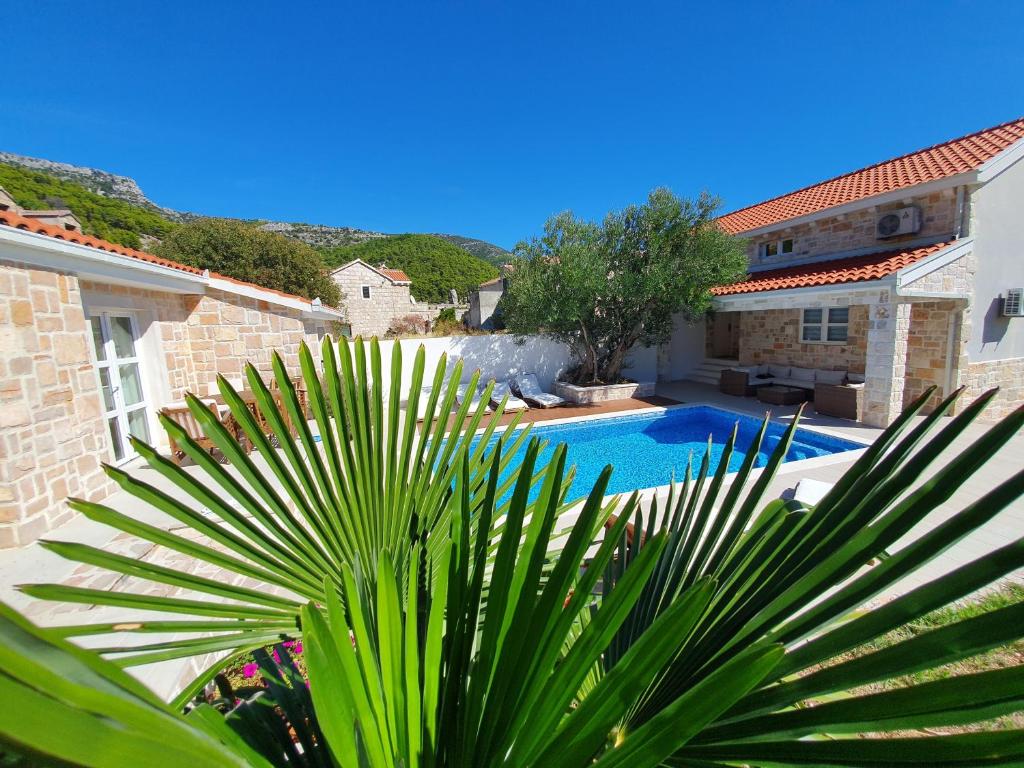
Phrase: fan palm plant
(444, 627)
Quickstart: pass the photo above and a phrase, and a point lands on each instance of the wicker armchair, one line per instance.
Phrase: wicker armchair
(733, 382)
(842, 400)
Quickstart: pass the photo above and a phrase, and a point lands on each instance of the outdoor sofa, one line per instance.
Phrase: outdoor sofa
(836, 393)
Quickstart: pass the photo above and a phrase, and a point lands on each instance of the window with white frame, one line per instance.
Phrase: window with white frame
(776, 247)
(366, 291)
(825, 326)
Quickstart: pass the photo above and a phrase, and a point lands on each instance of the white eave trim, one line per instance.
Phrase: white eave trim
(254, 292)
(937, 260)
(996, 165)
(949, 182)
(92, 263)
(788, 296)
(909, 275)
(38, 250)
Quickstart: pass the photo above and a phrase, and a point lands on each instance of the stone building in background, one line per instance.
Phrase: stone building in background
(378, 298)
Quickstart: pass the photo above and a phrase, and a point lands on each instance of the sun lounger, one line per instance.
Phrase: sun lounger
(463, 393)
(500, 391)
(810, 492)
(528, 388)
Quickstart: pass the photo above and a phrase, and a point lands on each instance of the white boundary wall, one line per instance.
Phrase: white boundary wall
(501, 356)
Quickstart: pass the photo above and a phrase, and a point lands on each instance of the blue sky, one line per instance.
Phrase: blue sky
(485, 118)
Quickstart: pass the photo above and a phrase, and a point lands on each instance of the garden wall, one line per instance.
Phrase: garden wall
(500, 356)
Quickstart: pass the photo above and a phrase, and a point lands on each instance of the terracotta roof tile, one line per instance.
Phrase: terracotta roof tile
(11, 219)
(854, 269)
(395, 274)
(947, 159)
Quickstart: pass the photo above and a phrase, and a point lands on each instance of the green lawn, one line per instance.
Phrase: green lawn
(1006, 656)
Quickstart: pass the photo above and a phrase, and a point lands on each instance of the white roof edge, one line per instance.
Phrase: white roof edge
(1001, 161)
(937, 260)
(924, 188)
(860, 286)
(45, 250)
(95, 264)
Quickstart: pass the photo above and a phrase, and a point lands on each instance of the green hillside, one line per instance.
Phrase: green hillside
(104, 217)
(433, 264)
(488, 252)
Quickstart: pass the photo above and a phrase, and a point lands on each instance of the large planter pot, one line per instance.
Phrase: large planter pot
(604, 393)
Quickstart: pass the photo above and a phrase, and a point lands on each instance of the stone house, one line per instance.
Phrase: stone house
(94, 339)
(60, 217)
(375, 297)
(483, 302)
(905, 272)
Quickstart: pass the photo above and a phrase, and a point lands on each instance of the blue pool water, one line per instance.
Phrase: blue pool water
(645, 450)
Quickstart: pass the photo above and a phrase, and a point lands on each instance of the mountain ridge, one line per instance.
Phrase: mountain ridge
(320, 236)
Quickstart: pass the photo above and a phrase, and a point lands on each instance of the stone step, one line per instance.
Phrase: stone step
(703, 378)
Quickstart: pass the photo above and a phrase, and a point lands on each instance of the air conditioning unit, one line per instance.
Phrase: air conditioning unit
(1013, 304)
(905, 221)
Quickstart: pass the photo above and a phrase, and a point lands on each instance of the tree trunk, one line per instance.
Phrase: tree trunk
(613, 368)
(587, 370)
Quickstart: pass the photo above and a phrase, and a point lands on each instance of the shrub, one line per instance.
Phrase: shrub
(408, 325)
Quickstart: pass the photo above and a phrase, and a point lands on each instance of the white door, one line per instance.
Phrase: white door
(115, 342)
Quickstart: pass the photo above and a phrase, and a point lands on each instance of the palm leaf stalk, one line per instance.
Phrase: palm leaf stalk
(359, 480)
(460, 636)
(795, 575)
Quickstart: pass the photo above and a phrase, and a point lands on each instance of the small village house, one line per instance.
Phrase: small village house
(375, 297)
(483, 304)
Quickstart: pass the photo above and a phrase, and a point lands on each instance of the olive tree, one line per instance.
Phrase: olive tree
(604, 288)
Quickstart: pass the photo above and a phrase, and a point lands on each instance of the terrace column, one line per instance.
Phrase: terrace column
(886, 364)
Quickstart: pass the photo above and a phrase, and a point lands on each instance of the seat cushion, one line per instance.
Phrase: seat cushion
(801, 374)
(830, 377)
(798, 383)
(779, 371)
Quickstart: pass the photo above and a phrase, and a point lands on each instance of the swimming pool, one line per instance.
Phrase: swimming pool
(645, 449)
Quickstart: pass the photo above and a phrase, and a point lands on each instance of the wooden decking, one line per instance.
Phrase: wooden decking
(571, 411)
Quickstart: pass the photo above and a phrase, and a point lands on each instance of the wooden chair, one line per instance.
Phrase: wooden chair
(180, 413)
(301, 394)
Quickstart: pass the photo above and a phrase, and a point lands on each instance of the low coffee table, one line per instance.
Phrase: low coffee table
(780, 395)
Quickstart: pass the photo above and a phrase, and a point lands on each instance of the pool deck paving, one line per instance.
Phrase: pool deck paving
(35, 564)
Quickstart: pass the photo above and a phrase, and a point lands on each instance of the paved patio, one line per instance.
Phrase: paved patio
(33, 564)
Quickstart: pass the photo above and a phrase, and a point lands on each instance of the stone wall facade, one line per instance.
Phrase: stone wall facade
(226, 332)
(388, 301)
(856, 230)
(1008, 375)
(932, 329)
(53, 434)
(773, 336)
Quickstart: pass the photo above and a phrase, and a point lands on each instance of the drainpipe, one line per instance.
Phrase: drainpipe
(960, 211)
(951, 337)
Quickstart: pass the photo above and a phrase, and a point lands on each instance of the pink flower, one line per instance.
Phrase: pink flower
(297, 647)
(277, 656)
(249, 670)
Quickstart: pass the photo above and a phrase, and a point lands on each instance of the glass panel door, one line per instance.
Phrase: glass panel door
(115, 346)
